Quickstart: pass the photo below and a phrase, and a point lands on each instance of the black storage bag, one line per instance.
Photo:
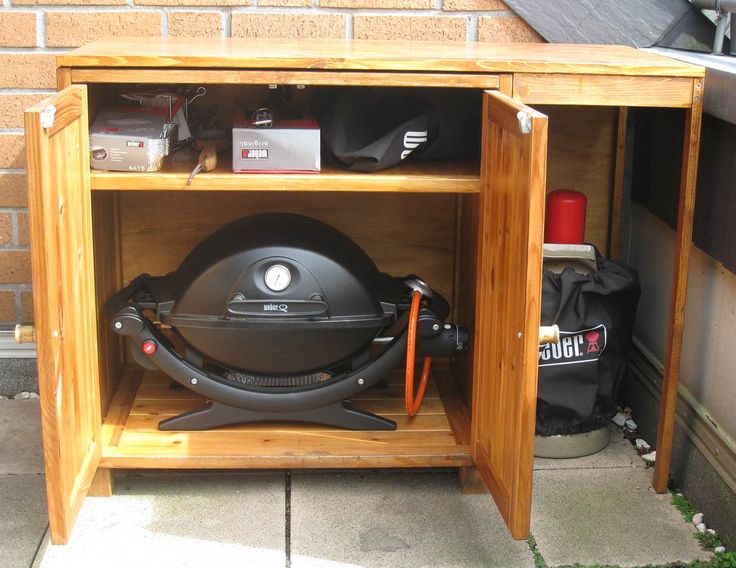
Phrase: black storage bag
(579, 378)
(368, 130)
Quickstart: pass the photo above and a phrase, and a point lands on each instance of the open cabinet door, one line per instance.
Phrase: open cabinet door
(508, 301)
(57, 148)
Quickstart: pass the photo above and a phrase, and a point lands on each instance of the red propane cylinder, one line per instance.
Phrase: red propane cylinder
(565, 217)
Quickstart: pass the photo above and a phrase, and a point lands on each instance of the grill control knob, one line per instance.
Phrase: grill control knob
(277, 277)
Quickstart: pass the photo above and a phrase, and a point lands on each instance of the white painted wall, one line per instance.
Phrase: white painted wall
(709, 346)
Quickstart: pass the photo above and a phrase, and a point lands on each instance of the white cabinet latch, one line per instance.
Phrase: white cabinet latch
(525, 122)
(47, 116)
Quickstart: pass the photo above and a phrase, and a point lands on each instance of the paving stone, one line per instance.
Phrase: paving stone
(618, 453)
(20, 437)
(608, 516)
(396, 519)
(22, 518)
(198, 520)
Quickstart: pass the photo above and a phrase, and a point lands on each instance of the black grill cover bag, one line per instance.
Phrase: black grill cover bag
(579, 378)
(373, 129)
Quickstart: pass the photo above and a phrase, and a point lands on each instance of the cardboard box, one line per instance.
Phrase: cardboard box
(288, 146)
(131, 139)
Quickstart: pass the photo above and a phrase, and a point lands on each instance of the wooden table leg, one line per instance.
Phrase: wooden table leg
(470, 481)
(103, 483)
(683, 245)
(615, 237)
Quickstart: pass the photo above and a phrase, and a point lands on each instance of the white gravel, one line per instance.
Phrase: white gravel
(619, 420)
(651, 457)
(25, 395)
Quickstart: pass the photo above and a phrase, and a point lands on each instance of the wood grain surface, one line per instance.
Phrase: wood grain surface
(402, 233)
(133, 440)
(64, 302)
(603, 90)
(108, 280)
(678, 298)
(364, 55)
(295, 77)
(581, 155)
(457, 176)
(511, 221)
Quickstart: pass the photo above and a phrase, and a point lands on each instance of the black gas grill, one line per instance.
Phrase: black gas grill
(278, 317)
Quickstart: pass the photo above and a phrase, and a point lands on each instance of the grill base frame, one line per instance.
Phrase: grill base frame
(339, 414)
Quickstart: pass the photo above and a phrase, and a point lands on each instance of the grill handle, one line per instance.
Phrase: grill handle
(283, 308)
(121, 298)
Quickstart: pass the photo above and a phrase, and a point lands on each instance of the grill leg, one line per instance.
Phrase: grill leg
(339, 414)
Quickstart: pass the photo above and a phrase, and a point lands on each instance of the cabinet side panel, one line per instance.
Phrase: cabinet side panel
(108, 280)
(466, 267)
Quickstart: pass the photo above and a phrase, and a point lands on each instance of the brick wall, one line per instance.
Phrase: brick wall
(33, 31)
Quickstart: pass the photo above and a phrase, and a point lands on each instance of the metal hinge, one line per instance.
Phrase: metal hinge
(525, 122)
(47, 116)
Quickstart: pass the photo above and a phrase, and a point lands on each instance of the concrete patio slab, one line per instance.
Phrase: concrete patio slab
(396, 519)
(22, 518)
(222, 520)
(609, 517)
(20, 437)
(618, 453)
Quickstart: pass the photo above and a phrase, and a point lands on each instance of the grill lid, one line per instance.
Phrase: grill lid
(278, 294)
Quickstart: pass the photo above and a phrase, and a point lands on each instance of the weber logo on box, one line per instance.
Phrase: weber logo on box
(135, 144)
(581, 346)
(254, 153)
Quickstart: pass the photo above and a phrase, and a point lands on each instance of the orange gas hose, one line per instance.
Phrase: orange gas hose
(411, 402)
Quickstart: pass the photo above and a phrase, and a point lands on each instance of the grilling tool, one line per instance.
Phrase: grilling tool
(208, 137)
(207, 160)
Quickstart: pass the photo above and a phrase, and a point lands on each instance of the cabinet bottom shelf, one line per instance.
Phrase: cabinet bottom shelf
(437, 437)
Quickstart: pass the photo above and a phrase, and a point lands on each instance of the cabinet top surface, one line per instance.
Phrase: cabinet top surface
(369, 55)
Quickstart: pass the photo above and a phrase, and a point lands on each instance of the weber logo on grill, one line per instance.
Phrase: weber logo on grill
(581, 346)
(276, 308)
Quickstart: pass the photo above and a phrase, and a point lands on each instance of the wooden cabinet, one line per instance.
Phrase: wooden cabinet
(474, 228)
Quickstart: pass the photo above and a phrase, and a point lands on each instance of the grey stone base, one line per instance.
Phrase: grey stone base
(691, 472)
(17, 375)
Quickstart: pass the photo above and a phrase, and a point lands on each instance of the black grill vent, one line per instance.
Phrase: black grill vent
(275, 382)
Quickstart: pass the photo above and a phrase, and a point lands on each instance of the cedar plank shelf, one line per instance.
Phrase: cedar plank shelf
(417, 177)
(473, 229)
(131, 438)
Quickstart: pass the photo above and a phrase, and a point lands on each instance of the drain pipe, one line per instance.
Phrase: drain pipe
(723, 8)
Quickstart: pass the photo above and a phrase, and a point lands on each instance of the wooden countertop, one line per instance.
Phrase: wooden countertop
(461, 57)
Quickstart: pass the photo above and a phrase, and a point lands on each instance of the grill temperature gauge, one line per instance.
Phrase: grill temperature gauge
(277, 277)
